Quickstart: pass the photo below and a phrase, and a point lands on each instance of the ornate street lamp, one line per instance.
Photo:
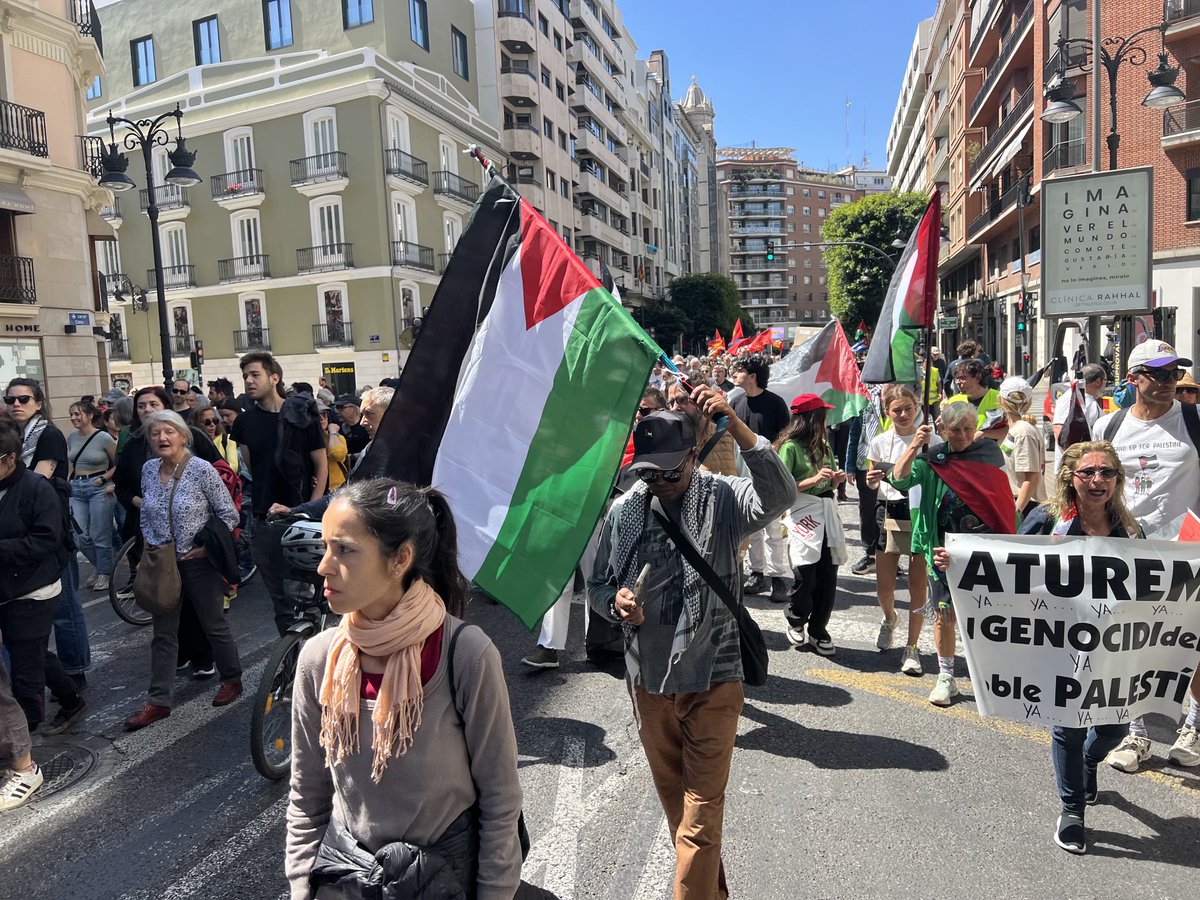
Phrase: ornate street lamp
(1113, 52)
(146, 134)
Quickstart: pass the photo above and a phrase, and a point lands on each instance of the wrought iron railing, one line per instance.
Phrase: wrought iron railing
(325, 258)
(91, 152)
(16, 280)
(237, 184)
(251, 339)
(443, 260)
(997, 138)
(412, 256)
(1003, 56)
(1063, 155)
(166, 196)
(333, 334)
(173, 277)
(1181, 9)
(244, 268)
(112, 210)
(998, 205)
(1182, 118)
(23, 129)
(321, 167)
(118, 348)
(455, 186)
(397, 162)
(182, 342)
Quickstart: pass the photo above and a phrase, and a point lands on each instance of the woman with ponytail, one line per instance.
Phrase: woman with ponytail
(402, 736)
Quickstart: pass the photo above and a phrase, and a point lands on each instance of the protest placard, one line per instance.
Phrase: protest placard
(1076, 631)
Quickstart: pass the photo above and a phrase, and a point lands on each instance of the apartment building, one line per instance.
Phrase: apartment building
(776, 216)
(333, 136)
(988, 148)
(906, 137)
(52, 315)
(711, 248)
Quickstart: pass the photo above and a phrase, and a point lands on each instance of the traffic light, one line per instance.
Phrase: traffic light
(197, 356)
(1020, 325)
(770, 251)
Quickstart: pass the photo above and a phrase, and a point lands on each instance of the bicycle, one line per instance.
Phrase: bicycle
(271, 713)
(120, 586)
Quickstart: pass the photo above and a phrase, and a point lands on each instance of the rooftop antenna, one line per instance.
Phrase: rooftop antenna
(847, 131)
(866, 163)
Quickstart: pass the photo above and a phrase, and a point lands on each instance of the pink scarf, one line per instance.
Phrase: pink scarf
(398, 638)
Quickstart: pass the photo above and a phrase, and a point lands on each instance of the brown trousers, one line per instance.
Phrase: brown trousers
(688, 740)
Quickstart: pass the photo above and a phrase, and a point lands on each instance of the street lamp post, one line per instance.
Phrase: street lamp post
(1113, 52)
(146, 134)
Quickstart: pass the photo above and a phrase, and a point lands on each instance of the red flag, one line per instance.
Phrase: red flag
(737, 333)
(760, 342)
(1190, 530)
(717, 345)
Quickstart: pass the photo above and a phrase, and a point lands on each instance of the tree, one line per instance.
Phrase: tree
(709, 303)
(876, 219)
(665, 322)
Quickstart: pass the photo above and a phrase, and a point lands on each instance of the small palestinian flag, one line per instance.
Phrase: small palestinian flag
(909, 305)
(717, 345)
(823, 365)
(516, 402)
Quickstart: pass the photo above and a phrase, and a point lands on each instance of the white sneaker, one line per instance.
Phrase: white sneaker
(19, 787)
(101, 583)
(944, 691)
(1130, 753)
(886, 630)
(1186, 750)
(912, 663)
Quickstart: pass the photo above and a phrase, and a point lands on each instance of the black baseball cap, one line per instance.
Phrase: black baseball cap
(345, 400)
(662, 441)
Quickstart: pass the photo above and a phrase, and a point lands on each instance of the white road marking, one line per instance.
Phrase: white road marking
(658, 872)
(569, 812)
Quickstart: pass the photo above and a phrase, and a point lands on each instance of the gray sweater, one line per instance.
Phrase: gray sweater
(741, 506)
(422, 792)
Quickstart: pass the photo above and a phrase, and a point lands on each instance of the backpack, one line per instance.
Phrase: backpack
(294, 470)
(1075, 429)
(1191, 421)
(233, 484)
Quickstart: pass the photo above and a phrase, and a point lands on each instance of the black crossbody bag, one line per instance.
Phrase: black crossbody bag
(754, 648)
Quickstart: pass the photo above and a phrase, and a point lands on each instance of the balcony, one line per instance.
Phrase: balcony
(1064, 155)
(244, 268)
(118, 348)
(746, 191)
(167, 197)
(1074, 56)
(443, 260)
(758, 265)
(112, 212)
(981, 18)
(115, 281)
(515, 27)
(1184, 19)
(768, 230)
(182, 343)
(753, 212)
(997, 69)
(23, 129)
(412, 256)
(455, 187)
(251, 339)
(519, 84)
(83, 14)
(174, 278)
(16, 280)
(91, 150)
(405, 166)
(1181, 125)
(997, 138)
(324, 173)
(761, 283)
(238, 190)
(324, 258)
(333, 334)
(522, 141)
(997, 207)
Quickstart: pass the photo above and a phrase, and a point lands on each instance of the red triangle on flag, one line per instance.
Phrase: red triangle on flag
(551, 275)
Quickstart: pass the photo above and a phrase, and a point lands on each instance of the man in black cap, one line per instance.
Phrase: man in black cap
(683, 654)
(348, 411)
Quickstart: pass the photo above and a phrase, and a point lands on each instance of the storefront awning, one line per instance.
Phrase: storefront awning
(14, 199)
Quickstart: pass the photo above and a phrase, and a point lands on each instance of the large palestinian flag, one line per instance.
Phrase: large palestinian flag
(517, 401)
(825, 366)
(910, 304)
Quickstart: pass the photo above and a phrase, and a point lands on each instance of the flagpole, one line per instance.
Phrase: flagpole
(925, 403)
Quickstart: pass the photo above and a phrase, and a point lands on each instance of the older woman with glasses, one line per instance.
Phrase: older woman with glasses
(1088, 500)
(181, 494)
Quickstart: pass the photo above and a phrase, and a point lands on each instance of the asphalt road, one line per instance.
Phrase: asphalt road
(846, 783)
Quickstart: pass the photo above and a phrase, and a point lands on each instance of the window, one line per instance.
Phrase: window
(398, 134)
(806, 192)
(95, 90)
(808, 279)
(326, 221)
(320, 136)
(564, 188)
(807, 211)
(551, 180)
(821, 212)
(1193, 194)
(334, 312)
(807, 228)
(141, 52)
(458, 49)
(820, 195)
(277, 23)
(543, 25)
(451, 231)
(558, 44)
(239, 150)
(448, 153)
(418, 26)
(174, 240)
(247, 234)
(359, 12)
(404, 219)
(548, 128)
(206, 40)
(252, 311)
(560, 91)
(109, 257)
(545, 76)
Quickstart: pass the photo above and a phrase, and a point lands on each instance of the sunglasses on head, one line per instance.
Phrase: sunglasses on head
(20, 398)
(1162, 376)
(1090, 474)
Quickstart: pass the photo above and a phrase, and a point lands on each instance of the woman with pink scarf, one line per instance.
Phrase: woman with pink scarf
(404, 768)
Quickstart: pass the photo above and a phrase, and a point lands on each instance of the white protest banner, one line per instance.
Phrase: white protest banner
(1076, 631)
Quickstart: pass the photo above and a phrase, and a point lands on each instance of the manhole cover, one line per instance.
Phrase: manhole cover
(64, 763)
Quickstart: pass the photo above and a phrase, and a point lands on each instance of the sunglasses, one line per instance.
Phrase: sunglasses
(1187, 390)
(20, 398)
(209, 423)
(1162, 376)
(681, 400)
(671, 476)
(646, 410)
(1090, 474)
(180, 393)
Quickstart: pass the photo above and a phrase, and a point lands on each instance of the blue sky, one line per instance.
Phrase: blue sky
(779, 71)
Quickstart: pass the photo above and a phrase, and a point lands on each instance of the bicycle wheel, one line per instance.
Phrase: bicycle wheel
(120, 588)
(271, 715)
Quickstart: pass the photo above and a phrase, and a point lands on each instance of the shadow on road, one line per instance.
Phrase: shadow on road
(547, 738)
(1174, 840)
(835, 749)
(794, 692)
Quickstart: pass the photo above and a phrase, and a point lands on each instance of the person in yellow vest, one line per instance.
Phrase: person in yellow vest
(971, 380)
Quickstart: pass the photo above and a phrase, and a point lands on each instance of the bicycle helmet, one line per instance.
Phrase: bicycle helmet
(302, 545)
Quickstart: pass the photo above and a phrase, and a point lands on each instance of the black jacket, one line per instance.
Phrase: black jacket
(33, 525)
(216, 538)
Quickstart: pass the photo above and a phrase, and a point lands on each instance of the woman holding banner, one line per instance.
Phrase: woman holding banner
(1088, 500)
(963, 489)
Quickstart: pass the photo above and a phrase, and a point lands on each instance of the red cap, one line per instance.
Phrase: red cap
(807, 403)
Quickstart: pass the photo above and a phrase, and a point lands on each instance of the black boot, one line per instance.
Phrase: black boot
(781, 590)
(756, 584)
